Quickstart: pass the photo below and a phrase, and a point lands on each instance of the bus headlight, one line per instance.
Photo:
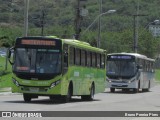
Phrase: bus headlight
(55, 83)
(131, 80)
(15, 82)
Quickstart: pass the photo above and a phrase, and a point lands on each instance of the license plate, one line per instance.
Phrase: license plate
(32, 89)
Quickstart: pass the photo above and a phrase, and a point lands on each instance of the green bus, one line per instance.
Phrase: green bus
(58, 68)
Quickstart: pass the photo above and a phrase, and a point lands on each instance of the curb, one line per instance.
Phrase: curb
(6, 91)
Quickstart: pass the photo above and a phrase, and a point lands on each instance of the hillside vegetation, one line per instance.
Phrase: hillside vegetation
(58, 18)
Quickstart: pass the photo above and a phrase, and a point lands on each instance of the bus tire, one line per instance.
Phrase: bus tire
(112, 90)
(91, 96)
(136, 90)
(67, 97)
(149, 85)
(55, 99)
(27, 97)
(52, 98)
(146, 89)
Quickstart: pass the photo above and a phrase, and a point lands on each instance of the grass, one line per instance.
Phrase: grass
(5, 75)
(5, 80)
(157, 74)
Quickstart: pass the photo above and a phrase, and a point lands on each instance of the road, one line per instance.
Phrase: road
(118, 101)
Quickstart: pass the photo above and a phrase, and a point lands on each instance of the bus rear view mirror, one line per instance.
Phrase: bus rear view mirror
(10, 51)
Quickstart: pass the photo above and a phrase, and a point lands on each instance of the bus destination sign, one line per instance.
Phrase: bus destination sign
(126, 57)
(38, 42)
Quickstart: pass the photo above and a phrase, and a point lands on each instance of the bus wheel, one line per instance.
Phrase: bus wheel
(67, 97)
(147, 89)
(27, 97)
(52, 98)
(89, 97)
(149, 85)
(112, 90)
(135, 90)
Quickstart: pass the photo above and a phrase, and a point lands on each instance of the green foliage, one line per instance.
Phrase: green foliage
(5, 75)
(147, 44)
(8, 34)
(58, 18)
(157, 74)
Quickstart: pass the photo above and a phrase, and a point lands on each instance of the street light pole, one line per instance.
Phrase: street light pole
(155, 21)
(108, 12)
(26, 17)
(42, 22)
(135, 35)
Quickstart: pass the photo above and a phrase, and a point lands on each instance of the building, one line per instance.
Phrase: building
(155, 29)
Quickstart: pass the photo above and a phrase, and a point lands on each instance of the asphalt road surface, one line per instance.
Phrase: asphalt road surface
(118, 101)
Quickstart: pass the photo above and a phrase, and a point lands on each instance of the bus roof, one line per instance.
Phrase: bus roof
(137, 55)
(81, 44)
(76, 42)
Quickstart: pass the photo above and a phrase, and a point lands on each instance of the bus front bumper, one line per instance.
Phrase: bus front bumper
(37, 90)
(122, 85)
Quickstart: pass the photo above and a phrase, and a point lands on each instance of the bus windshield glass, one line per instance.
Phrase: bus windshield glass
(41, 61)
(121, 69)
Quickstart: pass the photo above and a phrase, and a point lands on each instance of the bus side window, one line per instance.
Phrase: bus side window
(88, 59)
(72, 56)
(77, 55)
(65, 53)
(98, 60)
(153, 67)
(146, 63)
(93, 59)
(149, 66)
(83, 58)
(102, 61)
(143, 63)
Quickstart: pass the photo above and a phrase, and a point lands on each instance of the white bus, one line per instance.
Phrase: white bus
(129, 71)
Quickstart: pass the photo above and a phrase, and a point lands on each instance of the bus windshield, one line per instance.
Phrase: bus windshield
(41, 61)
(121, 69)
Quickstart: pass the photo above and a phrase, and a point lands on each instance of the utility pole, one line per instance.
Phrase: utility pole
(135, 32)
(99, 25)
(77, 21)
(26, 17)
(42, 22)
